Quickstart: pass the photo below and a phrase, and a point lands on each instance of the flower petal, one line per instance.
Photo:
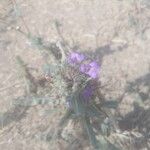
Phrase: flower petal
(75, 58)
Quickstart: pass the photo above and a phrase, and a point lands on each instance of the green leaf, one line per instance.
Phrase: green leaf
(109, 104)
(36, 41)
(104, 144)
(65, 118)
(77, 105)
(91, 111)
(105, 129)
(90, 132)
(33, 101)
(51, 69)
(63, 122)
(13, 115)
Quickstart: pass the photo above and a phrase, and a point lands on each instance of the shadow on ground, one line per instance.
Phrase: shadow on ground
(139, 118)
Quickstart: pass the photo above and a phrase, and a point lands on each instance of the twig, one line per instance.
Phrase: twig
(62, 51)
(8, 87)
(57, 25)
(31, 85)
(21, 17)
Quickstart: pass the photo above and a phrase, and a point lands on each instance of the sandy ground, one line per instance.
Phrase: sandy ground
(119, 30)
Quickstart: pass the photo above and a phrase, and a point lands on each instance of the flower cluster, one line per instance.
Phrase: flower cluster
(75, 58)
(91, 69)
(87, 93)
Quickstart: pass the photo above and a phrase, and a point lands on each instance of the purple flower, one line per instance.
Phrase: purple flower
(75, 58)
(87, 92)
(90, 69)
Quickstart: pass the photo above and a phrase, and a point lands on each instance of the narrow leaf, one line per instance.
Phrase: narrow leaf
(109, 104)
(90, 132)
